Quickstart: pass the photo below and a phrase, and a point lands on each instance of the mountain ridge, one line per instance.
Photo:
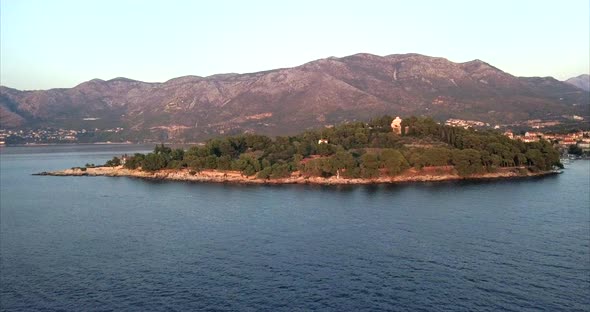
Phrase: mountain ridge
(285, 100)
(581, 81)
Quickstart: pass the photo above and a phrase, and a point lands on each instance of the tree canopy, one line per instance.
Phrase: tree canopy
(355, 150)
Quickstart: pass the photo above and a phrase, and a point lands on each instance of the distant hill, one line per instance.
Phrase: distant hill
(582, 82)
(287, 100)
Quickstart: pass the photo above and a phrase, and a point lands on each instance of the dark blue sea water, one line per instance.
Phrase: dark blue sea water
(99, 243)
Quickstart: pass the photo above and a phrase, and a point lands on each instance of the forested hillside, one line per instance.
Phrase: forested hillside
(355, 150)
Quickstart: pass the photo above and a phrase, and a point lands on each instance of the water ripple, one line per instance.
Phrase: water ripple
(132, 245)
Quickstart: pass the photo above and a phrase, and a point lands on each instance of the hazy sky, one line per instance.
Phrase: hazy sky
(56, 43)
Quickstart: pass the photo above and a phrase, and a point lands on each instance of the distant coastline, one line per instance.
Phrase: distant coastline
(73, 143)
(96, 143)
(427, 174)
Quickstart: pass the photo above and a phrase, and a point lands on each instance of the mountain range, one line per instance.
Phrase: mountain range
(286, 100)
(582, 82)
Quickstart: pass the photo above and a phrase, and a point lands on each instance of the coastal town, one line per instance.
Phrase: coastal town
(563, 140)
(56, 136)
(581, 139)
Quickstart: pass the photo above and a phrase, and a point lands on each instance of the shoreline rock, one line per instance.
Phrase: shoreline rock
(431, 174)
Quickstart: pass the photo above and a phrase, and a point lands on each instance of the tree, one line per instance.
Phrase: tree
(551, 155)
(360, 138)
(502, 151)
(177, 154)
(382, 123)
(224, 162)
(325, 149)
(197, 164)
(472, 141)
(248, 164)
(393, 161)
(320, 167)
(519, 159)
(574, 150)
(467, 161)
(280, 171)
(343, 160)
(385, 140)
(161, 149)
(113, 162)
(535, 159)
(257, 142)
(211, 162)
(436, 156)
(369, 166)
(134, 161)
(264, 173)
(154, 162)
(420, 126)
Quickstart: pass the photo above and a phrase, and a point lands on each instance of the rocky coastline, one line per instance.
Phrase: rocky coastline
(427, 174)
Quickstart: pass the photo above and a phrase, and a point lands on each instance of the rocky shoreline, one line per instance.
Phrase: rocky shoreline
(428, 174)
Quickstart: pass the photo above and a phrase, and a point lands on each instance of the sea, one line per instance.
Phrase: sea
(125, 244)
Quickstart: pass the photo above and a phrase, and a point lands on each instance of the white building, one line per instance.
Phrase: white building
(396, 125)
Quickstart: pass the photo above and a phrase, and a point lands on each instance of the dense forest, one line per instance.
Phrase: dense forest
(355, 150)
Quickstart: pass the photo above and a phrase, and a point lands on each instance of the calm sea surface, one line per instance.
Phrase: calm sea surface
(100, 243)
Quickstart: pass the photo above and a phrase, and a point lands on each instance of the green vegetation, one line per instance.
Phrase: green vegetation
(575, 150)
(355, 150)
(116, 161)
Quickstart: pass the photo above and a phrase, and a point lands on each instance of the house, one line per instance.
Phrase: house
(584, 145)
(533, 134)
(396, 125)
(567, 142)
(322, 141)
(528, 139)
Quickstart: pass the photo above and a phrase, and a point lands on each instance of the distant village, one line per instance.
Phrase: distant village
(49, 135)
(580, 139)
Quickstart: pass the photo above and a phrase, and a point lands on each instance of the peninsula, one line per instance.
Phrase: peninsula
(384, 150)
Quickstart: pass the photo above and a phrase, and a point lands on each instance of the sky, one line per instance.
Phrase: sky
(61, 43)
